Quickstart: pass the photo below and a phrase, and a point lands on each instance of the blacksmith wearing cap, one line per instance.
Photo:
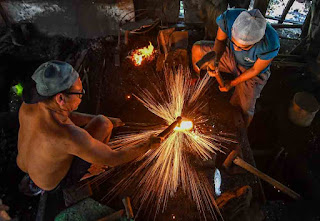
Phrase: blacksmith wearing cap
(57, 145)
(245, 46)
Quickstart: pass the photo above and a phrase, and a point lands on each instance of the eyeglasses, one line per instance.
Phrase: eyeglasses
(242, 48)
(80, 94)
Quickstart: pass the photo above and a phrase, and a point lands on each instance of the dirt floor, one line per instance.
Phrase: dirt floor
(107, 89)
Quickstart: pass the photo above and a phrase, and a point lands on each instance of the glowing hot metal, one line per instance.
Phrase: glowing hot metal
(184, 125)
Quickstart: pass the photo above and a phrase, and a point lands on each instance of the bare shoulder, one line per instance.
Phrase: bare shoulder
(77, 138)
(25, 109)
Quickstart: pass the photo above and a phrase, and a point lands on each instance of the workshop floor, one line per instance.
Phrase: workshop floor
(297, 166)
(271, 130)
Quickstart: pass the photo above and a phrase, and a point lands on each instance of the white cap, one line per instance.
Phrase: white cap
(249, 27)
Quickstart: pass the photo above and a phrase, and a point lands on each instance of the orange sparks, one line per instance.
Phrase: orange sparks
(139, 55)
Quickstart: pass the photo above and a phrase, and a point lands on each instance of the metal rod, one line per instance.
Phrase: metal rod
(170, 128)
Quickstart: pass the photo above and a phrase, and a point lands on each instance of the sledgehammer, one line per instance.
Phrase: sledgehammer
(233, 158)
(205, 60)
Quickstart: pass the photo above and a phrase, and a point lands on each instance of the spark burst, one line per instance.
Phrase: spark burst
(168, 167)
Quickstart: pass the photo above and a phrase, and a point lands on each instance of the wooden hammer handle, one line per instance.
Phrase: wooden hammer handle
(238, 161)
(128, 208)
(215, 68)
(219, 78)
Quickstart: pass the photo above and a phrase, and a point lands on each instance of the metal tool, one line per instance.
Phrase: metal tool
(233, 158)
(170, 128)
(206, 60)
(126, 214)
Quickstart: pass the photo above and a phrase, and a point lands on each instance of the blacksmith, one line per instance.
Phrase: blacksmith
(245, 46)
(57, 145)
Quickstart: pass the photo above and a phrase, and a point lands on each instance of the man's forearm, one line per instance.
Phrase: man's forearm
(80, 119)
(248, 74)
(128, 154)
(219, 47)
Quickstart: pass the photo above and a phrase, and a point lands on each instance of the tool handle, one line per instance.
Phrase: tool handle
(128, 208)
(113, 217)
(219, 78)
(238, 161)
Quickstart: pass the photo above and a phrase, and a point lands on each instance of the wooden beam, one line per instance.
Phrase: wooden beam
(5, 16)
(286, 10)
(277, 26)
(262, 5)
(278, 19)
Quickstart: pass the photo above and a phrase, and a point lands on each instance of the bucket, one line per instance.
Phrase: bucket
(303, 108)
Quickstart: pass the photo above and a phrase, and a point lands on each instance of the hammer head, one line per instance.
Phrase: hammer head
(228, 161)
(210, 56)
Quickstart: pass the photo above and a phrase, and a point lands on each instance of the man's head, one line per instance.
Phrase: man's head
(248, 28)
(56, 81)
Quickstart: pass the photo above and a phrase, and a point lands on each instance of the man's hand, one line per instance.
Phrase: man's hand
(94, 170)
(227, 87)
(117, 122)
(154, 142)
(212, 69)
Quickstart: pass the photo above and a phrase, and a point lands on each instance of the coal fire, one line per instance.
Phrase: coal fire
(142, 54)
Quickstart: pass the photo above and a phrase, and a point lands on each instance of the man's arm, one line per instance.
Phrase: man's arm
(219, 47)
(81, 119)
(220, 44)
(258, 66)
(91, 150)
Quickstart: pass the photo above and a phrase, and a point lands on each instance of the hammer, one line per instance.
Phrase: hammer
(233, 158)
(205, 61)
(170, 128)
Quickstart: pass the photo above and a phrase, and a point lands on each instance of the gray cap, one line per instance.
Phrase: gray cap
(53, 77)
(249, 27)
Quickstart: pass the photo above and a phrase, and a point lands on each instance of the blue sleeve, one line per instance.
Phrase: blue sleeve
(221, 22)
(273, 44)
(269, 55)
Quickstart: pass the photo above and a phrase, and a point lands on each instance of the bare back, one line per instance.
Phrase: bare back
(42, 146)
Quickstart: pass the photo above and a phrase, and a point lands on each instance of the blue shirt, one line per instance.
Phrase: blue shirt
(266, 49)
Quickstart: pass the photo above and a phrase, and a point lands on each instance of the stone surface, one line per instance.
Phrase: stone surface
(85, 19)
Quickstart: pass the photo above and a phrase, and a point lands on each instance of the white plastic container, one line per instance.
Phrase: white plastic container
(303, 108)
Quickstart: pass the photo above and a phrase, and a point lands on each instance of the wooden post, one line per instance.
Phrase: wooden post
(286, 10)
(262, 5)
(126, 37)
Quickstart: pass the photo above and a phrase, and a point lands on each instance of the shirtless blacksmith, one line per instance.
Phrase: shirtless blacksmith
(52, 138)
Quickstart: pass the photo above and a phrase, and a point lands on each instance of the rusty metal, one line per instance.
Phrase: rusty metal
(170, 128)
